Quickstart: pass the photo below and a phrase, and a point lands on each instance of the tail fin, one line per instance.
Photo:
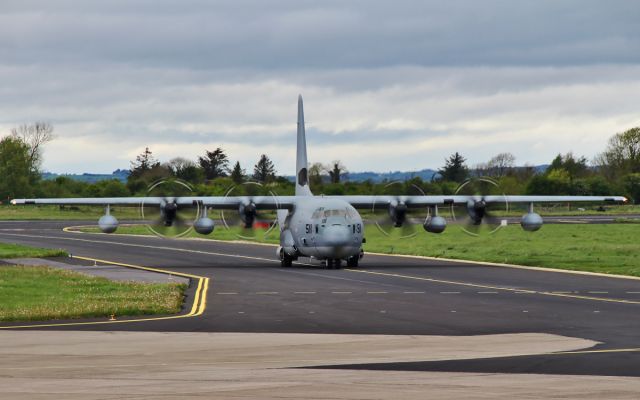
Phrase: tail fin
(302, 174)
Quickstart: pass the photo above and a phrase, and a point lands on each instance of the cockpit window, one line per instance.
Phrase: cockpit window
(349, 213)
(335, 213)
(352, 213)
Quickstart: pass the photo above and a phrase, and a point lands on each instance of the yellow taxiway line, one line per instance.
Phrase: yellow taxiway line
(198, 308)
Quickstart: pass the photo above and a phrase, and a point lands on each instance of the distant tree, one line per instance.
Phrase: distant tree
(185, 170)
(178, 164)
(632, 186)
(501, 165)
(113, 188)
(214, 163)
(622, 155)
(316, 172)
(264, 171)
(599, 186)
(35, 136)
(455, 169)
(524, 173)
(145, 170)
(336, 171)
(144, 162)
(237, 173)
(554, 183)
(575, 167)
(17, 176)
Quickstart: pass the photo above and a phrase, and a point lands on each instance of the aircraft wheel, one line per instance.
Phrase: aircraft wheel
(285, 260)
(337, 264)
(352, 262)
(328, 263)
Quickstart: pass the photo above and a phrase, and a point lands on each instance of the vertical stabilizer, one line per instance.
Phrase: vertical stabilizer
(302, 173)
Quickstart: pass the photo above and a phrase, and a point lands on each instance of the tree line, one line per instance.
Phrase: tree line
(614, 171)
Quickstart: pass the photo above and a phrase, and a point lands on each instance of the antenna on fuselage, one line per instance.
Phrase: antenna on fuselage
(302, 173)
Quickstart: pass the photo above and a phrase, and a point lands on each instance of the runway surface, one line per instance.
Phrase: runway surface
(250, 292)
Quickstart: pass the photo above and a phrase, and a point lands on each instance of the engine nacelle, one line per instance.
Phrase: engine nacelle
(398, 214)
(108, 223)
(477, 209)
(247, 214)
(204, 225)
(531, 222)
(435, 224)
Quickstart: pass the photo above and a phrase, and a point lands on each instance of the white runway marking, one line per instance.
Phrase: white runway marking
(145, 246)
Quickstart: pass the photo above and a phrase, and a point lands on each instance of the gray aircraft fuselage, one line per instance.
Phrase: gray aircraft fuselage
(321, 228)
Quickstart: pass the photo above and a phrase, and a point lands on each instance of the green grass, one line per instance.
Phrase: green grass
(9, 250)
(42, 293)
(41, 212)
(611, 249)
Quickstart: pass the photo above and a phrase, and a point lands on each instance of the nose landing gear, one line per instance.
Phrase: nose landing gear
(331, 263)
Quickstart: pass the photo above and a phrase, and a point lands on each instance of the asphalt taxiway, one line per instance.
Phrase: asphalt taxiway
(250, 292)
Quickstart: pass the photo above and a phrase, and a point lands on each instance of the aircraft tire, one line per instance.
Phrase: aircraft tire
(285, 260)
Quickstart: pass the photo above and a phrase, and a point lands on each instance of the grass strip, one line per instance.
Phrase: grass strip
(41, 293)
(10, 250)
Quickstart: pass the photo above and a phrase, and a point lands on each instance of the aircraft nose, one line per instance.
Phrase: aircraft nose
(337, 235)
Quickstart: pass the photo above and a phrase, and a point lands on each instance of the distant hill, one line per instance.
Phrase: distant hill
(119, 174)
(424, 174)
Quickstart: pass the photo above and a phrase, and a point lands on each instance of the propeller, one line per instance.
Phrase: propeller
(389, 216)
(169, 219)
(478, 215)
(246, 218)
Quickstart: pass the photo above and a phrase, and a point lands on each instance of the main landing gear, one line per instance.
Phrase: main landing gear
(286, 261)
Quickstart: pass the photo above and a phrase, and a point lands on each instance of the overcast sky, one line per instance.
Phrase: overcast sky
(395, 85)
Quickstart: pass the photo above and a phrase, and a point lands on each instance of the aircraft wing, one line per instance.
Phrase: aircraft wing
(287, 202)
(364, 202)
(213, 202)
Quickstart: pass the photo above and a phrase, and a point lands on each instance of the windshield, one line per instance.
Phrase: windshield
(348, 213)
(335, 213)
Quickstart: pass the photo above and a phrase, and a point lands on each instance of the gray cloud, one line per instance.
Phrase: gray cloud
(388, 85)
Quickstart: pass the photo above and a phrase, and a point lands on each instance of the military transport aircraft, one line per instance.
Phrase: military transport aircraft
(327, 228)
